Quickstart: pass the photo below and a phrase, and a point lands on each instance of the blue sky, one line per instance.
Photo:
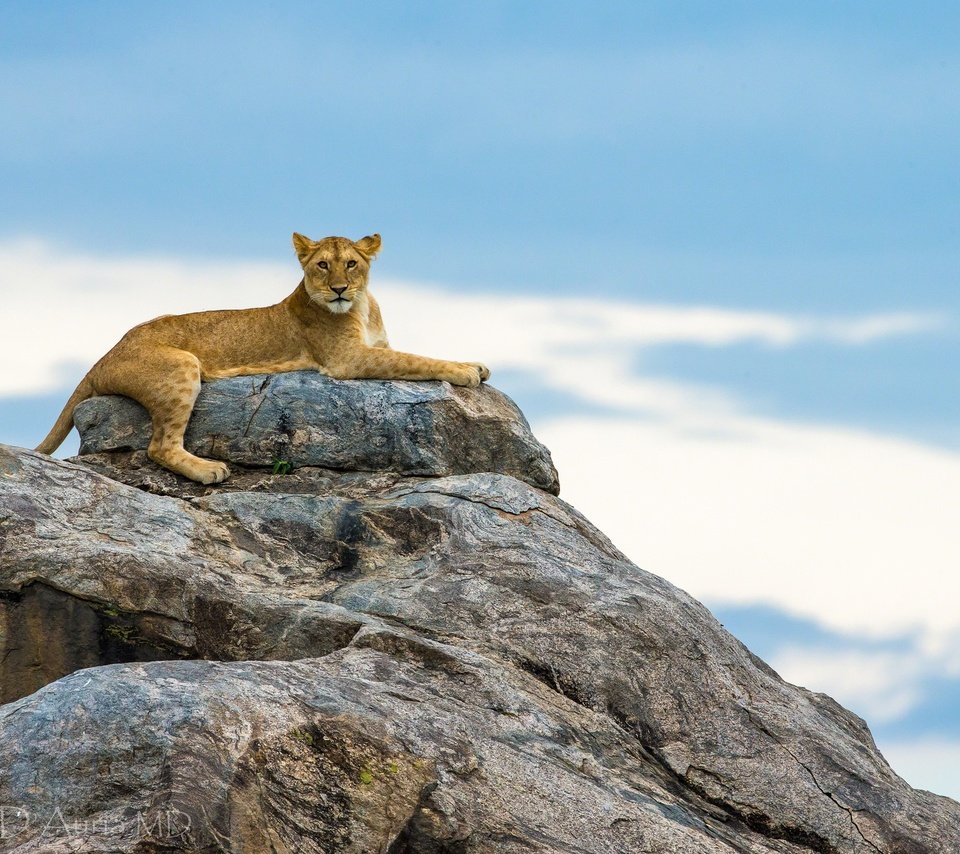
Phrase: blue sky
(784, 166)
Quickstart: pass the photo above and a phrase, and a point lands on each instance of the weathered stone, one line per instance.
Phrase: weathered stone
(430, 429)
(534, 689)
(393, 743)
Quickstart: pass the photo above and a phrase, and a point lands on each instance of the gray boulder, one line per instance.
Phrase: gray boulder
(348, 661)
(430, 429)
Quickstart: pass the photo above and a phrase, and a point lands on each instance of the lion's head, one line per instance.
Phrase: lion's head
(335, 269)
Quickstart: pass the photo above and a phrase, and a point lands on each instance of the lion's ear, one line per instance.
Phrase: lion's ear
(368, 246)
(302, 246)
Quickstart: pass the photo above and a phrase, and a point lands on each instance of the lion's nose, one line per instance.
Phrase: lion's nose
(338, 291)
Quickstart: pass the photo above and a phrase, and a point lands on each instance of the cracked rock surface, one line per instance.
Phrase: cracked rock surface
(369, 661)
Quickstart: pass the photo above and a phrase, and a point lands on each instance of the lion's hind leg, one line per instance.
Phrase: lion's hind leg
(167, 382)
(172, 392)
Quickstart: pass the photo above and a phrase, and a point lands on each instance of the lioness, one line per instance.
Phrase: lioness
(330, 323)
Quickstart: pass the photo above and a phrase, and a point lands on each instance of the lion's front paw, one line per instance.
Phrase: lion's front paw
(482, 369)
(463, 374)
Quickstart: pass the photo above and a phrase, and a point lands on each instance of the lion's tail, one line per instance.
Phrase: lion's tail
(64, 424)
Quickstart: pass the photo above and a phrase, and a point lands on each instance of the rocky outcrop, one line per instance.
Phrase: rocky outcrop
(303, 418)
(359, 661)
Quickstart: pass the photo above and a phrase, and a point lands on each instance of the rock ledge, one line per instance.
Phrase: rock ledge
(427, 429)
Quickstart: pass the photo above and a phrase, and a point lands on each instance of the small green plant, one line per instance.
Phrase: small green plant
(121, 633)
(281, 466)
(303, 737)
(366, 776)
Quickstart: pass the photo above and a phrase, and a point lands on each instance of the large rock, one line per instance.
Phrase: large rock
(394, 664)
(429, 429)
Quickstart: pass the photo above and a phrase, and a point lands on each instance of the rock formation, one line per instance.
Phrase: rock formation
(428, 429)
(407, 643)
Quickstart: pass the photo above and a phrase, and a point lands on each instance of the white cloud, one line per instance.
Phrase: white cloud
(67, 308)
(565, 322)
(867, 329)
(853, 530)
(70, 308)
(879, 686)
(926, 763)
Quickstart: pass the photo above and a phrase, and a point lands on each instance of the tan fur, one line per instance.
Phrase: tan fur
(330, 323)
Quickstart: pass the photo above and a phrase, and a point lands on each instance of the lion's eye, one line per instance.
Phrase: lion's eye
(351, 263)
(323, 265)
